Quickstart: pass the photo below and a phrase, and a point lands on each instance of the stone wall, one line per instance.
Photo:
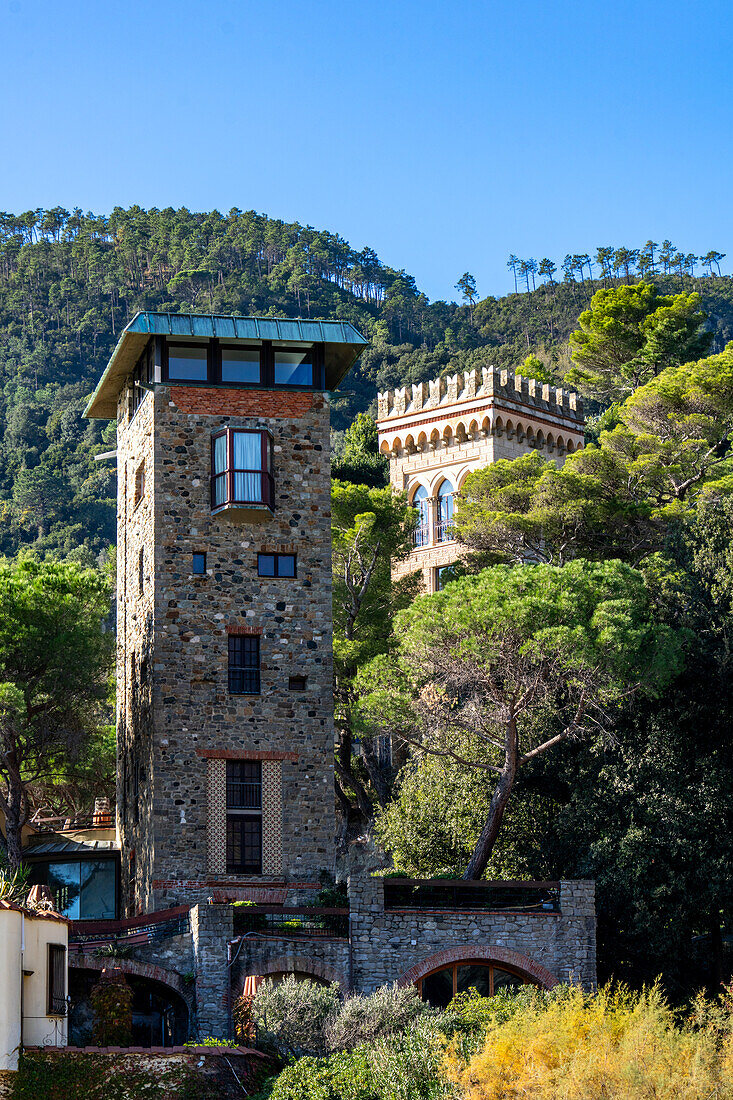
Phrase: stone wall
(179, 717)
(402, 944)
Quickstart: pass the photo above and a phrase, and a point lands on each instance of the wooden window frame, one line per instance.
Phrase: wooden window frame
(266, 348)
(243, 642)
(277, 556)
(267, 483)
(490, 966)
(198, 554)
(297, 683)
(56, 969)
(239, 814)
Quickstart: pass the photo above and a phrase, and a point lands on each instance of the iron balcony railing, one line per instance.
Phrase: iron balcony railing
(421, 535)
(287, 922)
(131, 932)
(444, 531)
(508, 896)
(242, 795)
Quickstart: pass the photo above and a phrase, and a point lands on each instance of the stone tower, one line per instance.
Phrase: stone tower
(225, 710)
(436, 432)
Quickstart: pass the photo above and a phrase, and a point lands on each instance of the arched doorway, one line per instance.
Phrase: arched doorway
(160, 1001)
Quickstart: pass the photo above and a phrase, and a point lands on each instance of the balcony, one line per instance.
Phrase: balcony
(519, 896)
(291, 923)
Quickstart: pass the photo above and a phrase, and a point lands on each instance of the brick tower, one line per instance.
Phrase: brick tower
(225, 711)
(437, 432)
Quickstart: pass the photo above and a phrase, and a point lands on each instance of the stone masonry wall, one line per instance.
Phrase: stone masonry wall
(183, 717)
(135, 642)
(444, 429)
(390, 945)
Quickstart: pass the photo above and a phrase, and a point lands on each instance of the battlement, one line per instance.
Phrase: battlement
(487, 382)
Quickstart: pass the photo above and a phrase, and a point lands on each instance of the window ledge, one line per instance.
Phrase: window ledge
(243, 512)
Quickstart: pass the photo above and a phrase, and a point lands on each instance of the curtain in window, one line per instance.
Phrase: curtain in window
(247, 456)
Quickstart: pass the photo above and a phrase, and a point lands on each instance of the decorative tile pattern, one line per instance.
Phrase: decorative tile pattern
(216, 818)
(272, 817)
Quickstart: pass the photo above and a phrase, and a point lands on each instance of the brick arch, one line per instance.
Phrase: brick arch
(136, 969)
(524, 966)
(288, 964)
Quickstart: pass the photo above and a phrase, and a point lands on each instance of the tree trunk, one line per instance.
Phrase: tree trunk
(490, 831)
(499, 801)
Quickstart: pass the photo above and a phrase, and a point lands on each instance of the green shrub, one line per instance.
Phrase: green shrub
(343, 1076)
(409, 1066)
(290, 1016)
(362, 1019)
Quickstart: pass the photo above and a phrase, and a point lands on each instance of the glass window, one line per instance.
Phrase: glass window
(475, 977)
(276, 565)
(64, 882)
(445, 512)
(293, 368)
(437, 989)
(187, 364)
(82, 889)
(244, 817)
(421, 535)
(56, 984)
(98, 889)
(244, 664)
(241, 468)
(502, 978)
(244, 785)
(240, 365)
(199, 563)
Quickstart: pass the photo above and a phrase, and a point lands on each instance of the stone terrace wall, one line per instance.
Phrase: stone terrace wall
(402, 945)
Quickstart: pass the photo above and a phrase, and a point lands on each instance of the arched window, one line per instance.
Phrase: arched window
(422, 531)
(445, 512)
(440, 987)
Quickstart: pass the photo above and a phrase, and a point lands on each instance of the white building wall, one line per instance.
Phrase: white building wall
(24, 940)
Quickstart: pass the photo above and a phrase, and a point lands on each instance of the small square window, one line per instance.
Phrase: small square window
(199, 563)
(276, 565)
(297, 683)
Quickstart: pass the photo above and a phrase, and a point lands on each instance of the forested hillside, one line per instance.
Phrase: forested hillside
(69, 282)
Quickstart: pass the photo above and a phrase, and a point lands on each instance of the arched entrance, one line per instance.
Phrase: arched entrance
(161, 1001)
(487, 969)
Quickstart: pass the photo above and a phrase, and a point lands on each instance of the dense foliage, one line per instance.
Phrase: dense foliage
(70, 281)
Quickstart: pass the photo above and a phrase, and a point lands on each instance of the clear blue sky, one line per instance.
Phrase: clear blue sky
(444, 135)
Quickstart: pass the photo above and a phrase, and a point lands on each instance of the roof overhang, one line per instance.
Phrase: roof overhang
(342, 342)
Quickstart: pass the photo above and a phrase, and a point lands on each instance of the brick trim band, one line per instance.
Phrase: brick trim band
(245, 754)
(213, 401)
(525, 966)
(249, 630)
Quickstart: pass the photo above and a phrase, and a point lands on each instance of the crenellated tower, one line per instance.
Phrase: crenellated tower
(436, 432)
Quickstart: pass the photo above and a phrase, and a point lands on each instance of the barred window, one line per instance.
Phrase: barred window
(56, 979)
(244, 664)
(244, 817)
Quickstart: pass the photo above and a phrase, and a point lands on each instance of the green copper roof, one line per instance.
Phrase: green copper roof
(343, 345)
